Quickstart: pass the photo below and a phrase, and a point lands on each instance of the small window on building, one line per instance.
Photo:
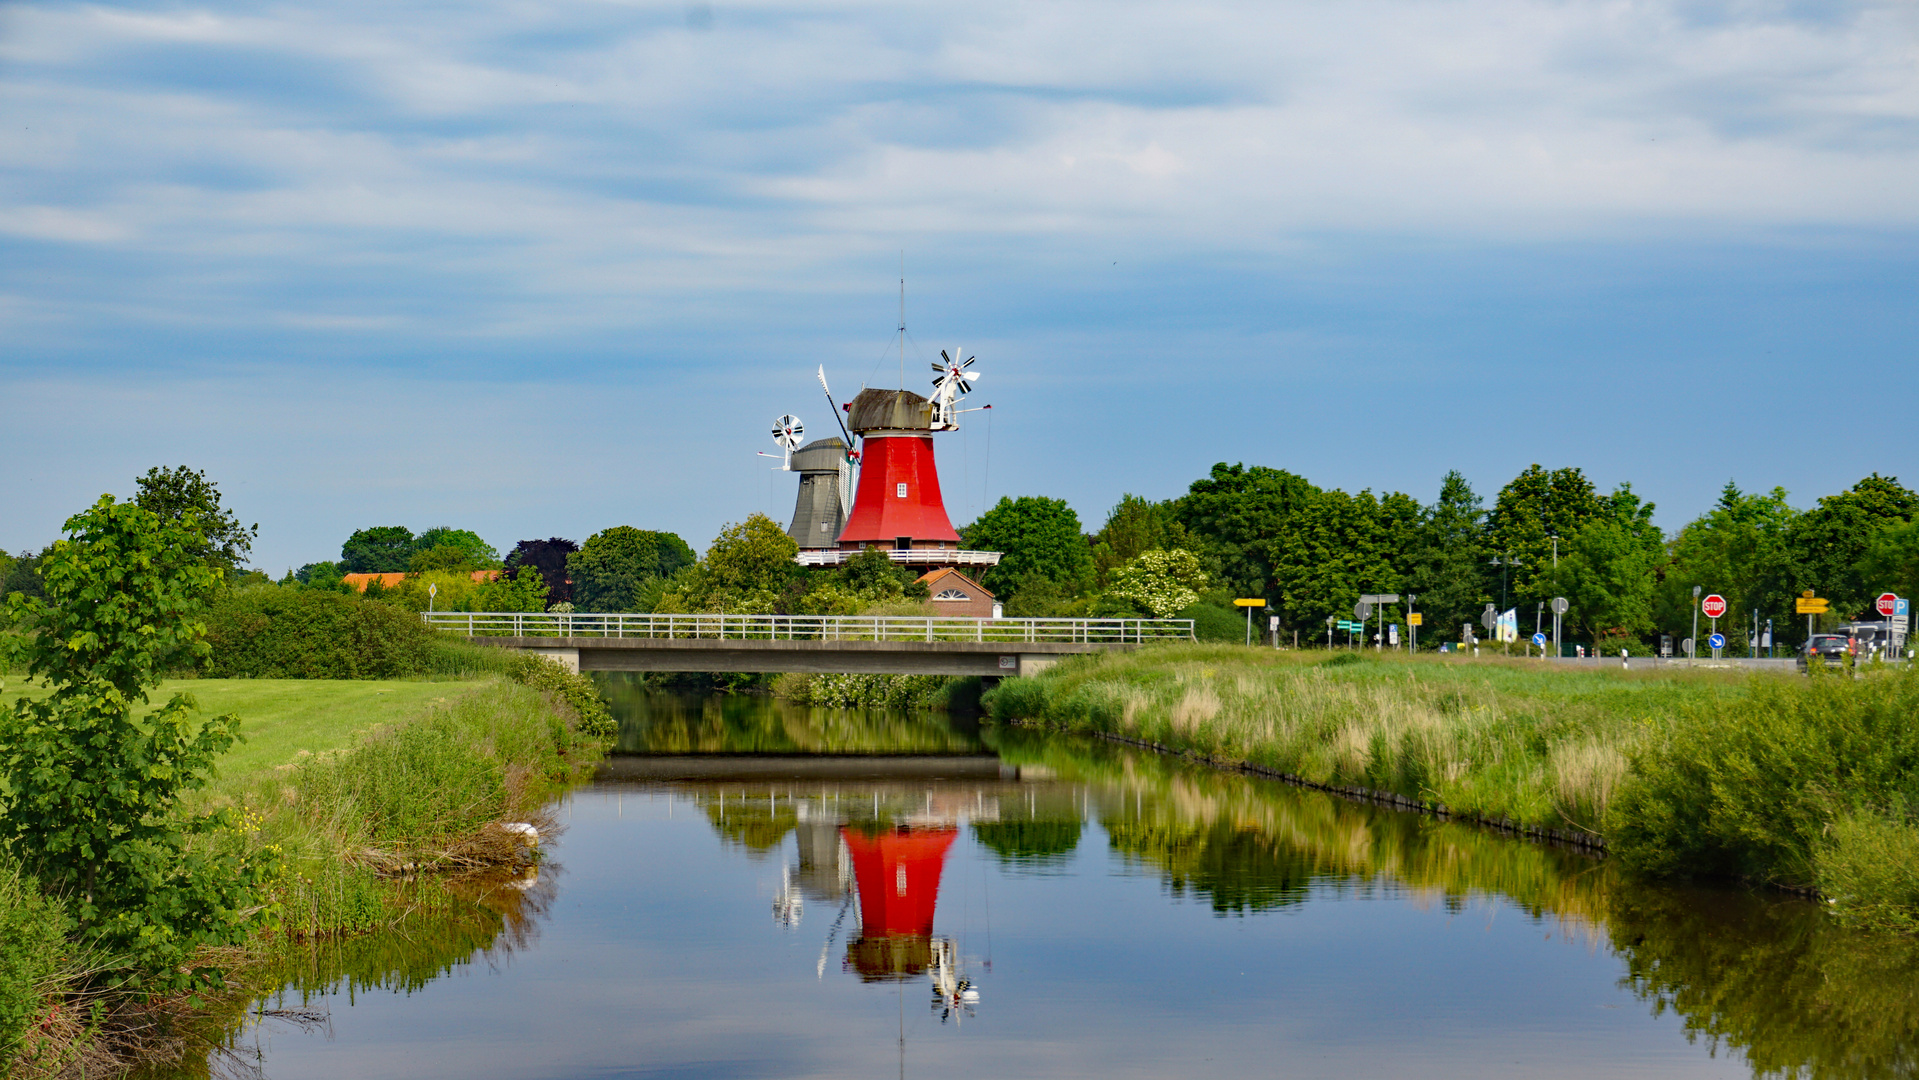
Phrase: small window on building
(823, 526)
(899, 490)
(902, 543)
(951, 594)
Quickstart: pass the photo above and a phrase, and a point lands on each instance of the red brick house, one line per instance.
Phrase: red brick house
(951, 593)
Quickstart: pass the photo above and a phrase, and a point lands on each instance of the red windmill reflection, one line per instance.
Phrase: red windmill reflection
(898, 870)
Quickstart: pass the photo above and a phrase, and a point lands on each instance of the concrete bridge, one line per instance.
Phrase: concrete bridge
(822, 644)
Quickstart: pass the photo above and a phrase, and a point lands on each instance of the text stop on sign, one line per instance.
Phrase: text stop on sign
(1713, 606)
(1888, 604)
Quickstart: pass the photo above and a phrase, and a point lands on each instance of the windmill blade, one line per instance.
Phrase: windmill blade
(944, 355)
(788, 431)
(969, 361)
(838, 418)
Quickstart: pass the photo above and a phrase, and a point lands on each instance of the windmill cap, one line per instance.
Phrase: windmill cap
(820, 455)
(889, 410)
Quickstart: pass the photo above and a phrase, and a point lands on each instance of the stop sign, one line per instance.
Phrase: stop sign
(1887, 604)
(1713, 606)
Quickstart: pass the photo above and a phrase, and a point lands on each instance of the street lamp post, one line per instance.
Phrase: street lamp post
(1692, 643)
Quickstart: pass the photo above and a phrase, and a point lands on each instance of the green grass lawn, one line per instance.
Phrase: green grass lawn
(281, 717)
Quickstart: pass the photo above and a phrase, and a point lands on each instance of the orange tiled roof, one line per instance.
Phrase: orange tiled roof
(933, 577)
(387, 581)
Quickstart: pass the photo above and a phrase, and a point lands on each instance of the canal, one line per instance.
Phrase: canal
(756, 889)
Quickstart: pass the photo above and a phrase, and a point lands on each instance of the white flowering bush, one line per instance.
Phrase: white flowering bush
(1161, 581)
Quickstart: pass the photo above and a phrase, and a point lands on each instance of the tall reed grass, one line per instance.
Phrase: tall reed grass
(1545, 749)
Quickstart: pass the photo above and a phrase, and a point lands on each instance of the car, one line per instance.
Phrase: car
(1832, 648)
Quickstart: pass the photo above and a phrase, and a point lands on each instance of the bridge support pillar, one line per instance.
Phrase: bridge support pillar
(1034, 663)
(568, 658)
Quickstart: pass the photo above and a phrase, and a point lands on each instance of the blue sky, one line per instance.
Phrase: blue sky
(541, 269)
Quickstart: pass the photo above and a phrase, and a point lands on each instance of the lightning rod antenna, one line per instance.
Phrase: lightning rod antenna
(902, 319)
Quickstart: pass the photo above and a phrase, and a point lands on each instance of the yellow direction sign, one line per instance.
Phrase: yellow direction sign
(1807, 594)
(1811, 607)
(1249, 603)
(1415, 619)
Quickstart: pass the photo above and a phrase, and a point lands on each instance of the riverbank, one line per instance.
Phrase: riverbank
(1768, 777)
(372, 796)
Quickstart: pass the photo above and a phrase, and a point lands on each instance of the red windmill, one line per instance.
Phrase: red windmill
(899, 887)
(898, 503)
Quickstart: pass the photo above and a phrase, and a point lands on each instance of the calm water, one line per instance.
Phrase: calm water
(758, 890)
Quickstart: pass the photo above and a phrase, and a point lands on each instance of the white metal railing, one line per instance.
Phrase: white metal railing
(914, 556)
(811, 627)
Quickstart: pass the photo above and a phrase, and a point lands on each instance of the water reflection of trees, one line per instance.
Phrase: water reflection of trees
(1769, 976)
(652, 722)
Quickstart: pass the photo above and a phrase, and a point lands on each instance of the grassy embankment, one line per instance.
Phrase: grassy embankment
(362, 787)
(1808, 784)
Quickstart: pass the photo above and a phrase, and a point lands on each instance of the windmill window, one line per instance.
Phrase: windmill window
(951, 594)
(902, 543)
(899, 490)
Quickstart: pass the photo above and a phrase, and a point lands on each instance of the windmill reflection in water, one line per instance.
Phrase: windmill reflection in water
(890, 863)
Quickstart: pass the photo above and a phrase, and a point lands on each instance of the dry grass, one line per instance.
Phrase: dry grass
(1504, 740)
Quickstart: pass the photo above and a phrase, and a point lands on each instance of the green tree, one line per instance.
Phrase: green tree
(1235, 513)
(1740, 549)
(1891, 562)
(1337, 548)
(445, 558)
(1039, 539)
(1447, 566)
(93, 793)
(1535, 507)
(1134, 527)
(547, 558)
(384, 549)
(1161, 582)
(479, 554)
(182, 494)
(613, 570)
(1606, 572)
(747, 567)
(1830, 541)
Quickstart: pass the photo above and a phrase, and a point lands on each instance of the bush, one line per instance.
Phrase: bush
(270, 632)
(544, 673)
(866, 691)
(1214, 623)
(1751, 787)
(33, 937)
(1867, 864)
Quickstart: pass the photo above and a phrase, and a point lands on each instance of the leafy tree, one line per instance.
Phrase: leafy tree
(385, 549)
(614, 568)
(1038, 538)
(547, 558)
(23, 575)
(443, 558)
(1447, 567)
(1535, 507)
(1235, 513)
(95, 794)
(1337, 548)
(1606, 572)
(1161, 582)
(321, 575)
(1830, 541)
(183, 493)
(748, 564)
(1740, 549)
(1891, 562)
(1134, 527)
(479, 554)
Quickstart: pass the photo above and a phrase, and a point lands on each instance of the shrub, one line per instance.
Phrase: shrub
(866, 691)
(1749, 787)
(545, 673)
(1867, 864)
(33, 937)
(270, 632)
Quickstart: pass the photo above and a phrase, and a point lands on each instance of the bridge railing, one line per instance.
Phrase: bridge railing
(811, 627)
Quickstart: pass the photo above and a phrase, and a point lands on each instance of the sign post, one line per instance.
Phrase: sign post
(1695, 624)
(1249, 605)
(1714, 606)
(1330, 620)
(1809, 605)
(1559, 606)
(1379, 600)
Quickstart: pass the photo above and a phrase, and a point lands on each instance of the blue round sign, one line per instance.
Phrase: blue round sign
(1717, 641)
(1539, 639)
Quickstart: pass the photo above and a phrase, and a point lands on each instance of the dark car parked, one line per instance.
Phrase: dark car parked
(1833, 648)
